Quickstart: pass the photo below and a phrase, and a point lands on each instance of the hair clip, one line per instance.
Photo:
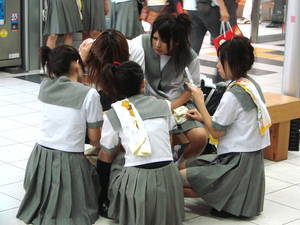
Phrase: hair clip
(116, 63)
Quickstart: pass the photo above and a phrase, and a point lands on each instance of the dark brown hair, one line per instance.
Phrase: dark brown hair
(110, 46)
(239, 55)
(175, 32)
(123, 80)
(58, 60)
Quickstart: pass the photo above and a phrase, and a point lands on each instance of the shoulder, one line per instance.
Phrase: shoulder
(242, 97)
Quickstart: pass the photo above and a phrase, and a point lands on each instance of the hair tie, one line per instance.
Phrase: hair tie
(116, 63)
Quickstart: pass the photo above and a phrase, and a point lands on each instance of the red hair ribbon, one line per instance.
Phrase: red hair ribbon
(116, 63)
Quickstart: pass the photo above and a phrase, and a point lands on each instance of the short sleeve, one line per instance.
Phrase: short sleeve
(227, 112)
(194, 68)
(171, 119)
(109, 137)
(94, 112)
(136, 51)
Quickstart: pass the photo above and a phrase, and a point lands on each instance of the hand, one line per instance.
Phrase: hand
(224, 15)
(194, 114)
(84, 48)
(196, 92)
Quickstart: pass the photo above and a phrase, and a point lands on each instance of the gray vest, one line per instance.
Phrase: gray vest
(166, 83)
(148, 107)
(63, 92)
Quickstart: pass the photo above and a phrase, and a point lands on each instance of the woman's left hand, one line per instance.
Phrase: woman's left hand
(85, 48)
(196, 92)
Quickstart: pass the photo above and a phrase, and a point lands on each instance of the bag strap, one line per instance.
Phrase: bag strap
(212, 91)
(225, 25)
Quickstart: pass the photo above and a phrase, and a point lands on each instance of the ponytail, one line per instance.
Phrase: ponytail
(44, 55)
(120, 81)
(58, 61)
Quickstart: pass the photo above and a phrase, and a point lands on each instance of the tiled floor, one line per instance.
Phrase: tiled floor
(19, 116)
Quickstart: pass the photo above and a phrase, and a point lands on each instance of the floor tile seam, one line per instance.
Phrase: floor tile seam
(288, 182)
(293, 164)
(15, 182)
(1, 211)
(291, 221)
(10, 129)
(15, 142)
(10, 162)
(279, 203)
(23, 123)
(1, 185)
(272, 192)
(20, 105)
(12, 118)
(1, 192)
(13, 166)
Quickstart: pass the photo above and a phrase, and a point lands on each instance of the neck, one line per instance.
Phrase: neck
(73, 77)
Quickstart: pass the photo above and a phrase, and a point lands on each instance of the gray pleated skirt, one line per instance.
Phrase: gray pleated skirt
(147, 196)
(188, 124)
(61, 189)
(233, 182)
(124, 16)
(62, 17)
(93, 15)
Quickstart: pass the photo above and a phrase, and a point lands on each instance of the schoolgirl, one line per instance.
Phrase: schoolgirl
(111, 45)
(61, 185)
(124, 16)
(233, 181)
(169, 63)
(61, 17)
(148, 190)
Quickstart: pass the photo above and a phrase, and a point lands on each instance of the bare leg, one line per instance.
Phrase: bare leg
(197, 141)
(51, 40)
(188, 191)
(68, 39)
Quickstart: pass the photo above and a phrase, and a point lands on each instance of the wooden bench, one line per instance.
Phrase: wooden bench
(282, 110)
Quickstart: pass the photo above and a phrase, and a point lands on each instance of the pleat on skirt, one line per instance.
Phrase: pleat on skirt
(63, 17)
(147, 196)
(61, 188)
(124, 16)
(93, 15)
(233, 182)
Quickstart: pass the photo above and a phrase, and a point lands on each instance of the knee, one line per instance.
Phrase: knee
(199, 137)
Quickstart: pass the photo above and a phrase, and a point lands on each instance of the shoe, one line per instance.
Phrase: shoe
(103, 209)
(274, 25)
(221, 214)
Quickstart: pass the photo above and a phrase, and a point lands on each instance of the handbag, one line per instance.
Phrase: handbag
(227, 33)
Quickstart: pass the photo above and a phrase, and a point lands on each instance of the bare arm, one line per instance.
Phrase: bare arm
(181, 100)
(202, 114)
(94, 136)
(223, 11)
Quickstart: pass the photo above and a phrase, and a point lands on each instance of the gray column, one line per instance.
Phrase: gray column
(32, 34)
(291, 67)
